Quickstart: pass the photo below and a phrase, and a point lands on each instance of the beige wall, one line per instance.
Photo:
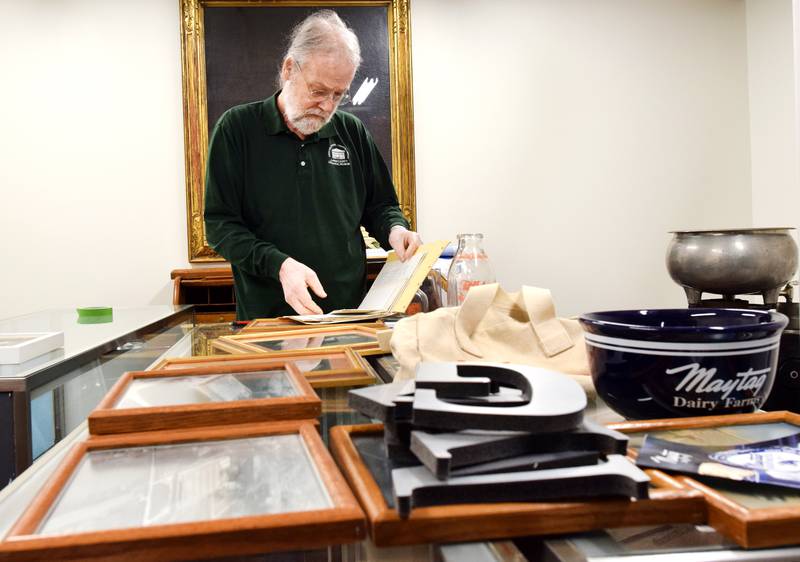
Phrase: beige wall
(773, 113)
(92, 176)
(574, 134)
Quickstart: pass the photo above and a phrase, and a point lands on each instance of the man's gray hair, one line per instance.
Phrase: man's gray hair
(323, 33)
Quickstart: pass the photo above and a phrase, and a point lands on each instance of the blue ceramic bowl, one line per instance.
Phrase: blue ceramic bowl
(683, 362)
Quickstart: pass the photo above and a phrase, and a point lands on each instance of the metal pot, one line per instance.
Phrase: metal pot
(733, 262)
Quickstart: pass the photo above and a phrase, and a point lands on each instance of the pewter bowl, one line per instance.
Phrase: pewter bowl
(733, 262)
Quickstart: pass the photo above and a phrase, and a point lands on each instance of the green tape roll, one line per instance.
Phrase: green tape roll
(95, 315)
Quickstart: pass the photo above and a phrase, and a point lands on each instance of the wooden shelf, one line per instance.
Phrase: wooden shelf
(211, 290)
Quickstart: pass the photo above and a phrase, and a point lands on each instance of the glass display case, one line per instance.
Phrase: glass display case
(50, 402)
(46, 397)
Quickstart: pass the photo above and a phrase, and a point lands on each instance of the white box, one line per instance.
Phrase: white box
(18, 347)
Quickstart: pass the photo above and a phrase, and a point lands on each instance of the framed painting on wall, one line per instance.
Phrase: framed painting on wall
(232, 50)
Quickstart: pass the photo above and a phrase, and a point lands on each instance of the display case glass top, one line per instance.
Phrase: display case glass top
(47, 396)
(80, 338)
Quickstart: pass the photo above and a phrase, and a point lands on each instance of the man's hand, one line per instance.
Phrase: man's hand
(295, 279)
(404, 242)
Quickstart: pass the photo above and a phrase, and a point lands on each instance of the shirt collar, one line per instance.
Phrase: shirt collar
(273, 120)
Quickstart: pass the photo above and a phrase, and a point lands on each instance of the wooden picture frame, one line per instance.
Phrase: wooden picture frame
(208, 52)
(256, 342)
(107, 418)
(670, 502)
(262, 325)
(348, 369)
(751, 517)
(270, 324)
(342, 522)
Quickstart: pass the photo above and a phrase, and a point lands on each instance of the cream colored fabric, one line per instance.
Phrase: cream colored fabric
(493, 325)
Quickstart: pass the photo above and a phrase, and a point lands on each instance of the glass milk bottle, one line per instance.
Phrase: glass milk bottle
(470, 267)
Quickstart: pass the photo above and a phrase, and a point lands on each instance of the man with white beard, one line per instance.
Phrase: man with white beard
(290, 180)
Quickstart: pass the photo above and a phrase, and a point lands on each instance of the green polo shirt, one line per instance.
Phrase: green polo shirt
(270, 195)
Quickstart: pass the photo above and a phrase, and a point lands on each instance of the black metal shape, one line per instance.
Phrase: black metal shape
(536, 461)
(617, 476)
(444, 453)
(385, 402)
(552, 401)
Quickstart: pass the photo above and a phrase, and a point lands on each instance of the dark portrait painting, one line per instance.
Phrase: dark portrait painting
(245, 48)
(231, 54)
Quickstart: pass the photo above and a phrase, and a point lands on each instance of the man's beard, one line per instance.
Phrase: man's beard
(307, 122)
(310, 123)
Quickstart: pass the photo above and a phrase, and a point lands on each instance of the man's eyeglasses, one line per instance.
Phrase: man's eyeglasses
(319, 96)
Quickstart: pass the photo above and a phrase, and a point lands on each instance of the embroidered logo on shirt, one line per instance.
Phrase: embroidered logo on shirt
(338, 155)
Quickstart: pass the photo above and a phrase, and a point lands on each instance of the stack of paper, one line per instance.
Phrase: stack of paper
(392, 291)
(341, 316)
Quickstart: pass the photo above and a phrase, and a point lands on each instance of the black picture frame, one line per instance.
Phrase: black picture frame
(384, 364)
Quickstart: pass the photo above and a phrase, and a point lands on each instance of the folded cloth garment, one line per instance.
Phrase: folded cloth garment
(492, 325)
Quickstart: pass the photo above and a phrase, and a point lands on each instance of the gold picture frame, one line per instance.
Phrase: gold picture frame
(345, 366)
(195, 102)
(354, 337)
(265, 325)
